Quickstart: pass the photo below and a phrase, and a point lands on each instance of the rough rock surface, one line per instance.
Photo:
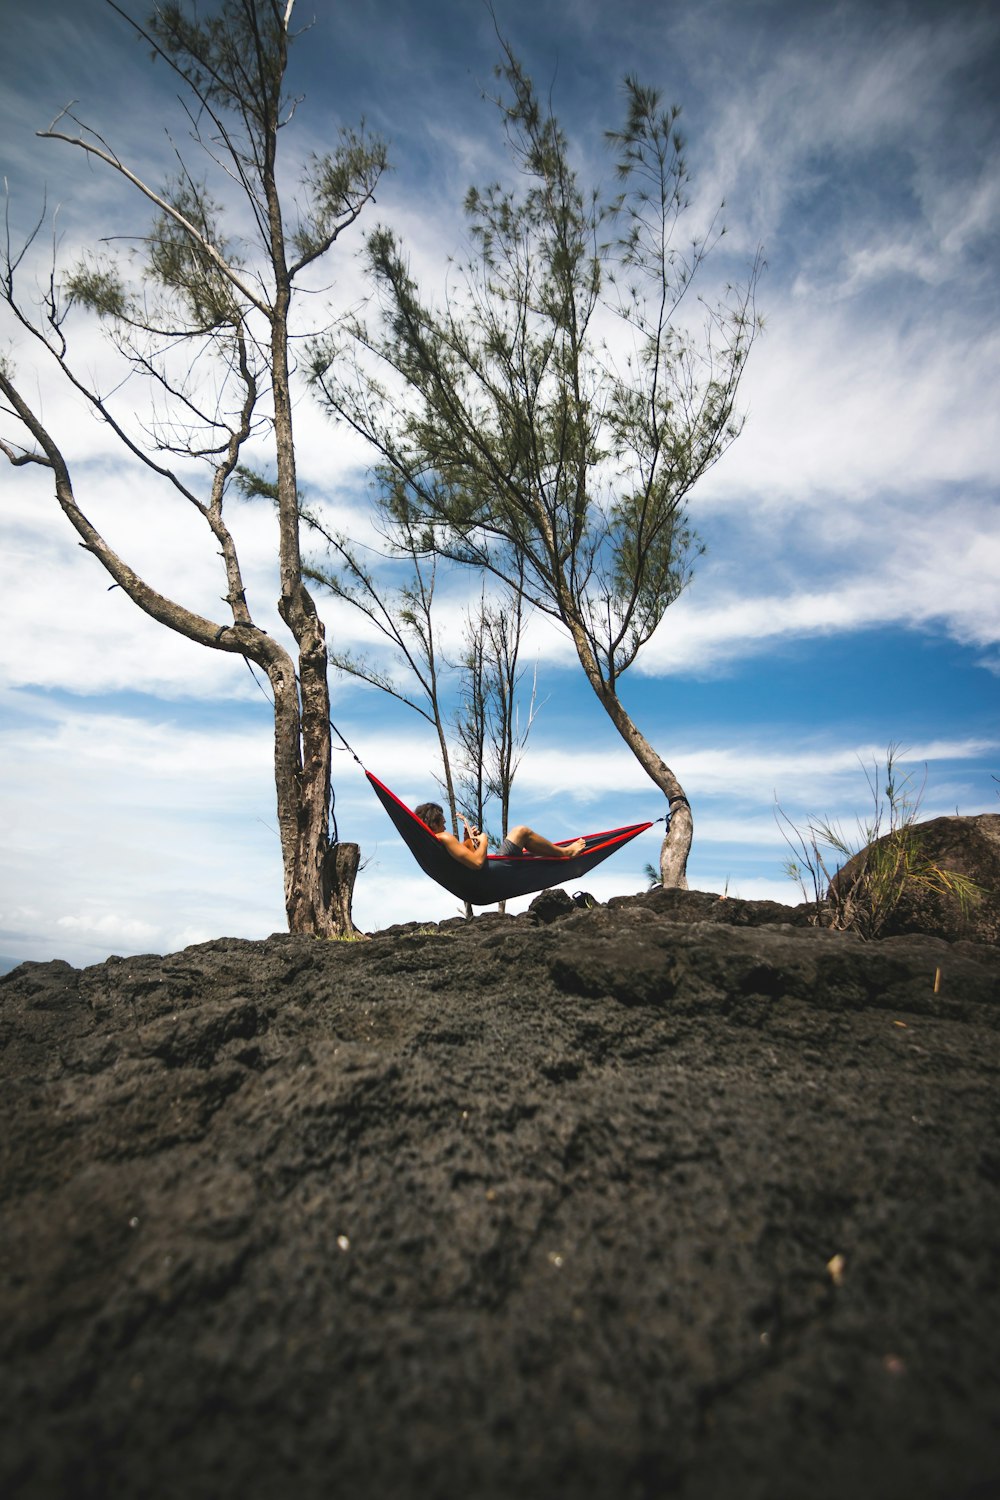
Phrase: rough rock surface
(673, 1196)
(966, 846)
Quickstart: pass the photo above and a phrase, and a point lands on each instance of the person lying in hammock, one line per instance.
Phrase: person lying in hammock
(472, 849)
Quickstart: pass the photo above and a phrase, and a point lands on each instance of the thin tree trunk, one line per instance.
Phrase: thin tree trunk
(677, 841)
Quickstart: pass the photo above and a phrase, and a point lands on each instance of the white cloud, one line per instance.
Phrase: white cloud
(844, 88)
(108, 928)
(846, 404)
(926, 576)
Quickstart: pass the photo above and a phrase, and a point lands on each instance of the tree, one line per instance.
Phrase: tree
(204, 332)
(555, 415)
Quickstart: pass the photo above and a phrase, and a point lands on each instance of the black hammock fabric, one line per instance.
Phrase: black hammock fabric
(502, 876)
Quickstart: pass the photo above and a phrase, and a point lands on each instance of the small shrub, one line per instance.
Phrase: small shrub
(885, 857)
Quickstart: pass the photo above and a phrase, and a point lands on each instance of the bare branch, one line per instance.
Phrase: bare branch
(18, 459)
(166, 611)
(103, 153)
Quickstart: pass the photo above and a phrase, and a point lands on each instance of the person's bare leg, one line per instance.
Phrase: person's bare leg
(526, 838)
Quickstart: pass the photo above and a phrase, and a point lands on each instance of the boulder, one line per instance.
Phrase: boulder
(963, 846)
(548, 906)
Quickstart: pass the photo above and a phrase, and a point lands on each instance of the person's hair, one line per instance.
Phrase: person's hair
(430, 813)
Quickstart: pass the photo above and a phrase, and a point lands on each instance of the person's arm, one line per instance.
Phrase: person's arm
(471, 851)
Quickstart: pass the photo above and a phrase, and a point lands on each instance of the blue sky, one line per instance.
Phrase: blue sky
(848, 596)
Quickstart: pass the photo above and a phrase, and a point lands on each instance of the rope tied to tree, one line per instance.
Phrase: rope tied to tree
(345, 744)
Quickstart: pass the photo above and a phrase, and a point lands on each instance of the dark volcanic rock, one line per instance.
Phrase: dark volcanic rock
(656, 1198)
(963, 846)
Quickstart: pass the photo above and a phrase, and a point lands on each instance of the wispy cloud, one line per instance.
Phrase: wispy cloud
(925, 579)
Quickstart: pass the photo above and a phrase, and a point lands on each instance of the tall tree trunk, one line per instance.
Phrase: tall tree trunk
(308, 786)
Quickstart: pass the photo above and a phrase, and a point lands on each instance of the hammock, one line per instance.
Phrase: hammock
(503, 875)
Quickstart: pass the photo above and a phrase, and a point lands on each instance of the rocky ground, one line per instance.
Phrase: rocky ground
(669, 1197)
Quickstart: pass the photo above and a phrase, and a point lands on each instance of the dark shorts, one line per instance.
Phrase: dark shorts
(507, 849)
